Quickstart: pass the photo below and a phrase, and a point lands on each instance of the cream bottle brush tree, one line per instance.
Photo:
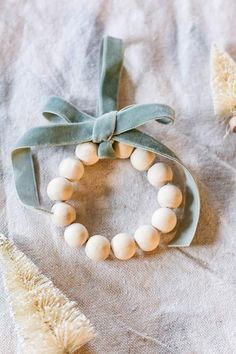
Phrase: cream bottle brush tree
(46, 321)
(223, 85)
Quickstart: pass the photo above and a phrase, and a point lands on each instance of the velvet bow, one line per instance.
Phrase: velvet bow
(102, 130)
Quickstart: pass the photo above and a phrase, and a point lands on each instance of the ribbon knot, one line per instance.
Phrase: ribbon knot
(103, 130)
(104, 127)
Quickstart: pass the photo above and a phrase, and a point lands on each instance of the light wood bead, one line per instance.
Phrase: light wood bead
(97, 248)
(71, 169)
(60, 188)
(123, 246)
(147, 237)
(76, 235)
(232, 124)
(170, 196)
(164, 219)
(63, 214)
(87, 153)
(122, 151)
(142, 159)
(159, 174)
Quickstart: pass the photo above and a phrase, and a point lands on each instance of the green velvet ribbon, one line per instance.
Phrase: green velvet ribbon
(72, 126)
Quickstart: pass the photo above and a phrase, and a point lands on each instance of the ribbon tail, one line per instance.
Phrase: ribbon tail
(188, 225)
(44, 136)
(24, 176)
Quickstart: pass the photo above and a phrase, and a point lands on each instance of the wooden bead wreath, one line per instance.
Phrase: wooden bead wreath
(147, 237)
(112, 134)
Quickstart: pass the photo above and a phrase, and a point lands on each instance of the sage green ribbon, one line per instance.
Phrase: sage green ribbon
(72, 126)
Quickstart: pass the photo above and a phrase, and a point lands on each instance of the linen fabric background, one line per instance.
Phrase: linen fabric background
(178, 301)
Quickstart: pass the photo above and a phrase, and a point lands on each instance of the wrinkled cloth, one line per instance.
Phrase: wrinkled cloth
(170, 301)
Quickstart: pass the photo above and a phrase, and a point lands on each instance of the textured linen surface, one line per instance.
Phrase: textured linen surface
(175, 300)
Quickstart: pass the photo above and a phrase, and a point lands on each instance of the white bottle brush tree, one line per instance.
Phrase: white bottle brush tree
(46, 321)
(223, 84)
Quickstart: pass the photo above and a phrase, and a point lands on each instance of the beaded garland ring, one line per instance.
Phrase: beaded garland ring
(147, 237)
(112, 134)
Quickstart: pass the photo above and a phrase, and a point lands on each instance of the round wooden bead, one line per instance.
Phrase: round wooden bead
(170, 196)
(123, 246)
(60, 189)
(63, 214)
(76, 235)
(164, 219)
(159, 174)
(71, 169)
(142, 159)
(122, 151)
(232, 124)
(97, 248)
(87, 153)
(147, 237)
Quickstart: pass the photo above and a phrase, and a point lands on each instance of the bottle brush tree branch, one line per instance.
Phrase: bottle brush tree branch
(223, 82)
(46, 321)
